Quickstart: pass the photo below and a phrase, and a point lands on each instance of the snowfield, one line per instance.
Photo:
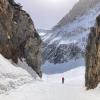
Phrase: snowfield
(12, 77)
(18, 84)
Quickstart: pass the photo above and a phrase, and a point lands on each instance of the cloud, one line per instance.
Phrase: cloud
(45, 14)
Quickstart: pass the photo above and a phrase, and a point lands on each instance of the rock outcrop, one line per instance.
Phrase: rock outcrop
(61, 54)
(18, 36)
(92, 76)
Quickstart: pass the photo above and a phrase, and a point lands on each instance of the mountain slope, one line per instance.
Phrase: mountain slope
(68, 41)
(12, 76)
(77, 11)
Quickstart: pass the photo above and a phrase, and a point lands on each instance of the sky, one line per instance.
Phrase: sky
(47, 13)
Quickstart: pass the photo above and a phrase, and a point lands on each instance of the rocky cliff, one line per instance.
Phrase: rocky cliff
(92, 77)
(18, 36)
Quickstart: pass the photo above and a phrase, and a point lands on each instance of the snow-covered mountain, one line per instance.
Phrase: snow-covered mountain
(77, 11)
(67, 39)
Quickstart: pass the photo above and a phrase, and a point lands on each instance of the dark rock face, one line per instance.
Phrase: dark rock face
(62, 53)
(92, 76)
(18, 37)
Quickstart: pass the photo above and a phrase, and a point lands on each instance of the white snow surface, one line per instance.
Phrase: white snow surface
(18, 84)
(12, 76)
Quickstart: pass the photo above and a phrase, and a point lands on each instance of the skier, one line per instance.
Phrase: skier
(63, 80)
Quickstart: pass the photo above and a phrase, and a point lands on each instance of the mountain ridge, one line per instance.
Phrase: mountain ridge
(78, 10)
(69, 41)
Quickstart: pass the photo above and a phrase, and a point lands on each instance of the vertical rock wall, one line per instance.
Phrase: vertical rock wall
(92, 76)
(18, 36)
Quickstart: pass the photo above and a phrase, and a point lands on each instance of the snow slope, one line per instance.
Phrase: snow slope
(46, 90)
(50, 88)
(12, 76)
(18, 84)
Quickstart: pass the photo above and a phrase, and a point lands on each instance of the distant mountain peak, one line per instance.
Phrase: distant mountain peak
(78, 10)
(68, 40)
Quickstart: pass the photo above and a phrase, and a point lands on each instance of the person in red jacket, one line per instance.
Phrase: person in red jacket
(63, 80)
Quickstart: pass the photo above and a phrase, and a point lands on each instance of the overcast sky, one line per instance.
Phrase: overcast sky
(47, 13)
